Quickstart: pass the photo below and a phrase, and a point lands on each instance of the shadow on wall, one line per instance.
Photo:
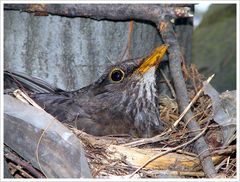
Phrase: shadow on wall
(214, 46)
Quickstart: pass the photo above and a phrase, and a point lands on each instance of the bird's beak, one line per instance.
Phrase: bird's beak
(152, 60)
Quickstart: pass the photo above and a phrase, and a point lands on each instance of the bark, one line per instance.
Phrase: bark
(175, 57)
(149, 12)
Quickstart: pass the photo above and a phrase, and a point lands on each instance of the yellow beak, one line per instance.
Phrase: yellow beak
(153, 60)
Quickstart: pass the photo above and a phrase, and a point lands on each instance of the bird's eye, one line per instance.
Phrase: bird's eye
(116, 75)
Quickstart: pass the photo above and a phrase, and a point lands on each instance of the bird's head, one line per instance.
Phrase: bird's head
(126, 94)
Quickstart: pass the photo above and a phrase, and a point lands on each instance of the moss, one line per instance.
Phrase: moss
(214, 45)
(218, 12)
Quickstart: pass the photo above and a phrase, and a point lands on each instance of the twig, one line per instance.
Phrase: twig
(24, 164)
(228, 150)
(228, 159)
(126, 53)
(169, 37)
(220, 165)
(37, 148)
(130, 38)
(160, 173)
(191, 103)
(21, 96)
(157, 138)
(168, 83)
(171, 150)
(20, 169)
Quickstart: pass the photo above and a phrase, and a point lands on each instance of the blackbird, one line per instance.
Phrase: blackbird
(122, 101)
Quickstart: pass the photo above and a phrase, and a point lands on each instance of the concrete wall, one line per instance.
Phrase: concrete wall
(70, 52)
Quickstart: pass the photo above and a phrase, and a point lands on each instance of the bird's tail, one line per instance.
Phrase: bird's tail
(17, 80)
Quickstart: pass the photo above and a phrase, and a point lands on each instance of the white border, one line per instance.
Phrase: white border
(115, 2)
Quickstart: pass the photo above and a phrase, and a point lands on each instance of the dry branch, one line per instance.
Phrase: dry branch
(137, 157)
(171, 161)
(169, 37)
(191, 103)
(149, 12)
(13, 157)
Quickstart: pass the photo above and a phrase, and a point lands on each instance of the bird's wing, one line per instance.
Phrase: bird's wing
(62, 107)
(66, 110)
(14, 80)
(55, 101)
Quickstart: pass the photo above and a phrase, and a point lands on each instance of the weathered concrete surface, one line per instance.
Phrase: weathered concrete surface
(70, 52)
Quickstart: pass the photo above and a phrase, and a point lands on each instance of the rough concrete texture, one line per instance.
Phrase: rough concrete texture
(70, 52)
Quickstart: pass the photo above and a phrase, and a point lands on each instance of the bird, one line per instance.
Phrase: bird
(124, 100)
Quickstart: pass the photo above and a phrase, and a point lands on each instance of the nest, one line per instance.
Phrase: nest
(125, 157)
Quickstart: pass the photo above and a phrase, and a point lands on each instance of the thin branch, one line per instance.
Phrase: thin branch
(169, 37)
(191, 103)
(17, 168)
(228, 150)
(168, 83)
(126, 53)
(25, 98)
(24, 164)
(175, 173)
(171, 150)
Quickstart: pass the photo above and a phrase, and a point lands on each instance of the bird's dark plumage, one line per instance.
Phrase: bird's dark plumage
(123, 101)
